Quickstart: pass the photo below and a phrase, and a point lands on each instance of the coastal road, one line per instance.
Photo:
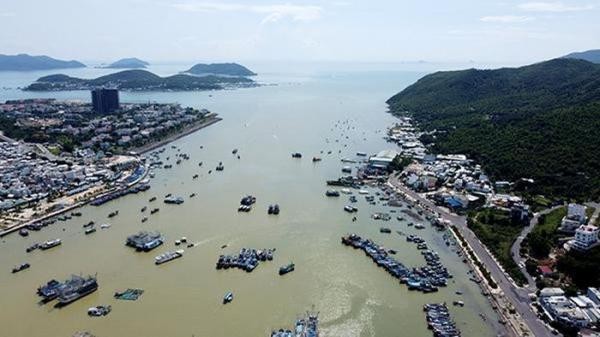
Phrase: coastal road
(518, 297)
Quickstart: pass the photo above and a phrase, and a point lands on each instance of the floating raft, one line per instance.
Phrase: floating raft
(129, 294)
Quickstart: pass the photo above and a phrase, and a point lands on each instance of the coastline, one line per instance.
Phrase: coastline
(209, 120)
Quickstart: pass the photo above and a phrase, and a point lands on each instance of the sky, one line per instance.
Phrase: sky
(518, 31)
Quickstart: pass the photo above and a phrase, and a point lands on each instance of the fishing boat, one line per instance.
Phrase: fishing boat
(228, 297)
(287, 269)
(168, 256)
(332, 193)
(50, 244)
(20, 267)
(76, 288)
(101, 310)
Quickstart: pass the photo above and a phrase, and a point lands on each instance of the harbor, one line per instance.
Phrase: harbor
(353, 296)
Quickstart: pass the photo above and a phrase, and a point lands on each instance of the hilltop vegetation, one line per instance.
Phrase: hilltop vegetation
(540, 121)
(24, 62)
(128, 63)
(137, 80)
(589, 55)
(227, 69)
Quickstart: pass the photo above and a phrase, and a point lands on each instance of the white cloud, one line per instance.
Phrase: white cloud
(7, 14)
(506, 19)
(272, 13)
(553, 7)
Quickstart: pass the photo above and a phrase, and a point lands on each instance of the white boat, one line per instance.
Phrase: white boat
(168, 256)
(346, 191)
(105, 225)
(363, 192)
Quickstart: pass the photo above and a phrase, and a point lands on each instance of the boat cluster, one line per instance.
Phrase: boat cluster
(44, 246)
(307, 326)
(425, 279)
(246, 203)
(247, 259)
(273, 209)
(144, 241)
(69, 291)
(439, 320)
(115, 195)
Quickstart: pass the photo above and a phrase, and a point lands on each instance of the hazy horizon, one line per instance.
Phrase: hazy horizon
(503, 32)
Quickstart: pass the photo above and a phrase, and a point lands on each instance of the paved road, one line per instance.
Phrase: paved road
(514, 250)
(519, 297)
(594, 217)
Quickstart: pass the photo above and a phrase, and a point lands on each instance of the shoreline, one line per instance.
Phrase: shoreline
(209, 120)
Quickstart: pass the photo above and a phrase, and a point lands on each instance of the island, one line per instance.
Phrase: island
(25, 62)
(589, 55)
(538, 125)
(139, 80)
(128, 63)
(223, 69)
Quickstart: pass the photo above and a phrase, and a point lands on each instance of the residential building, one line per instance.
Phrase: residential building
(575, 217)
(105, 101)
(586, 236)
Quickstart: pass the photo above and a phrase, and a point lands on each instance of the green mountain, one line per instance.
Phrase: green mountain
(227, 69)
(540, 121)
(24, 62)
(128, 63)
(139, 80)
(589, 55)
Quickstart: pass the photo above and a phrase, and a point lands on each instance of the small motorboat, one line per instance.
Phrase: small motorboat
(90, 230)
(287, 269)
(105, 225)
(23, 232)
(101, 310)
(228, 297)
(20, 267)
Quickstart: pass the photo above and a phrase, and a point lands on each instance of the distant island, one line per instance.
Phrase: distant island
(540, 121)
(225, 69)
(128, 63)
(590, 55)
(24, 62)
(139, 80)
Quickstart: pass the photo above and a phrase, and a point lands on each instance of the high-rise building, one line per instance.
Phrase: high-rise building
(105, 101)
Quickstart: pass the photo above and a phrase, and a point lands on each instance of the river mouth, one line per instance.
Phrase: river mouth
(343, 113)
